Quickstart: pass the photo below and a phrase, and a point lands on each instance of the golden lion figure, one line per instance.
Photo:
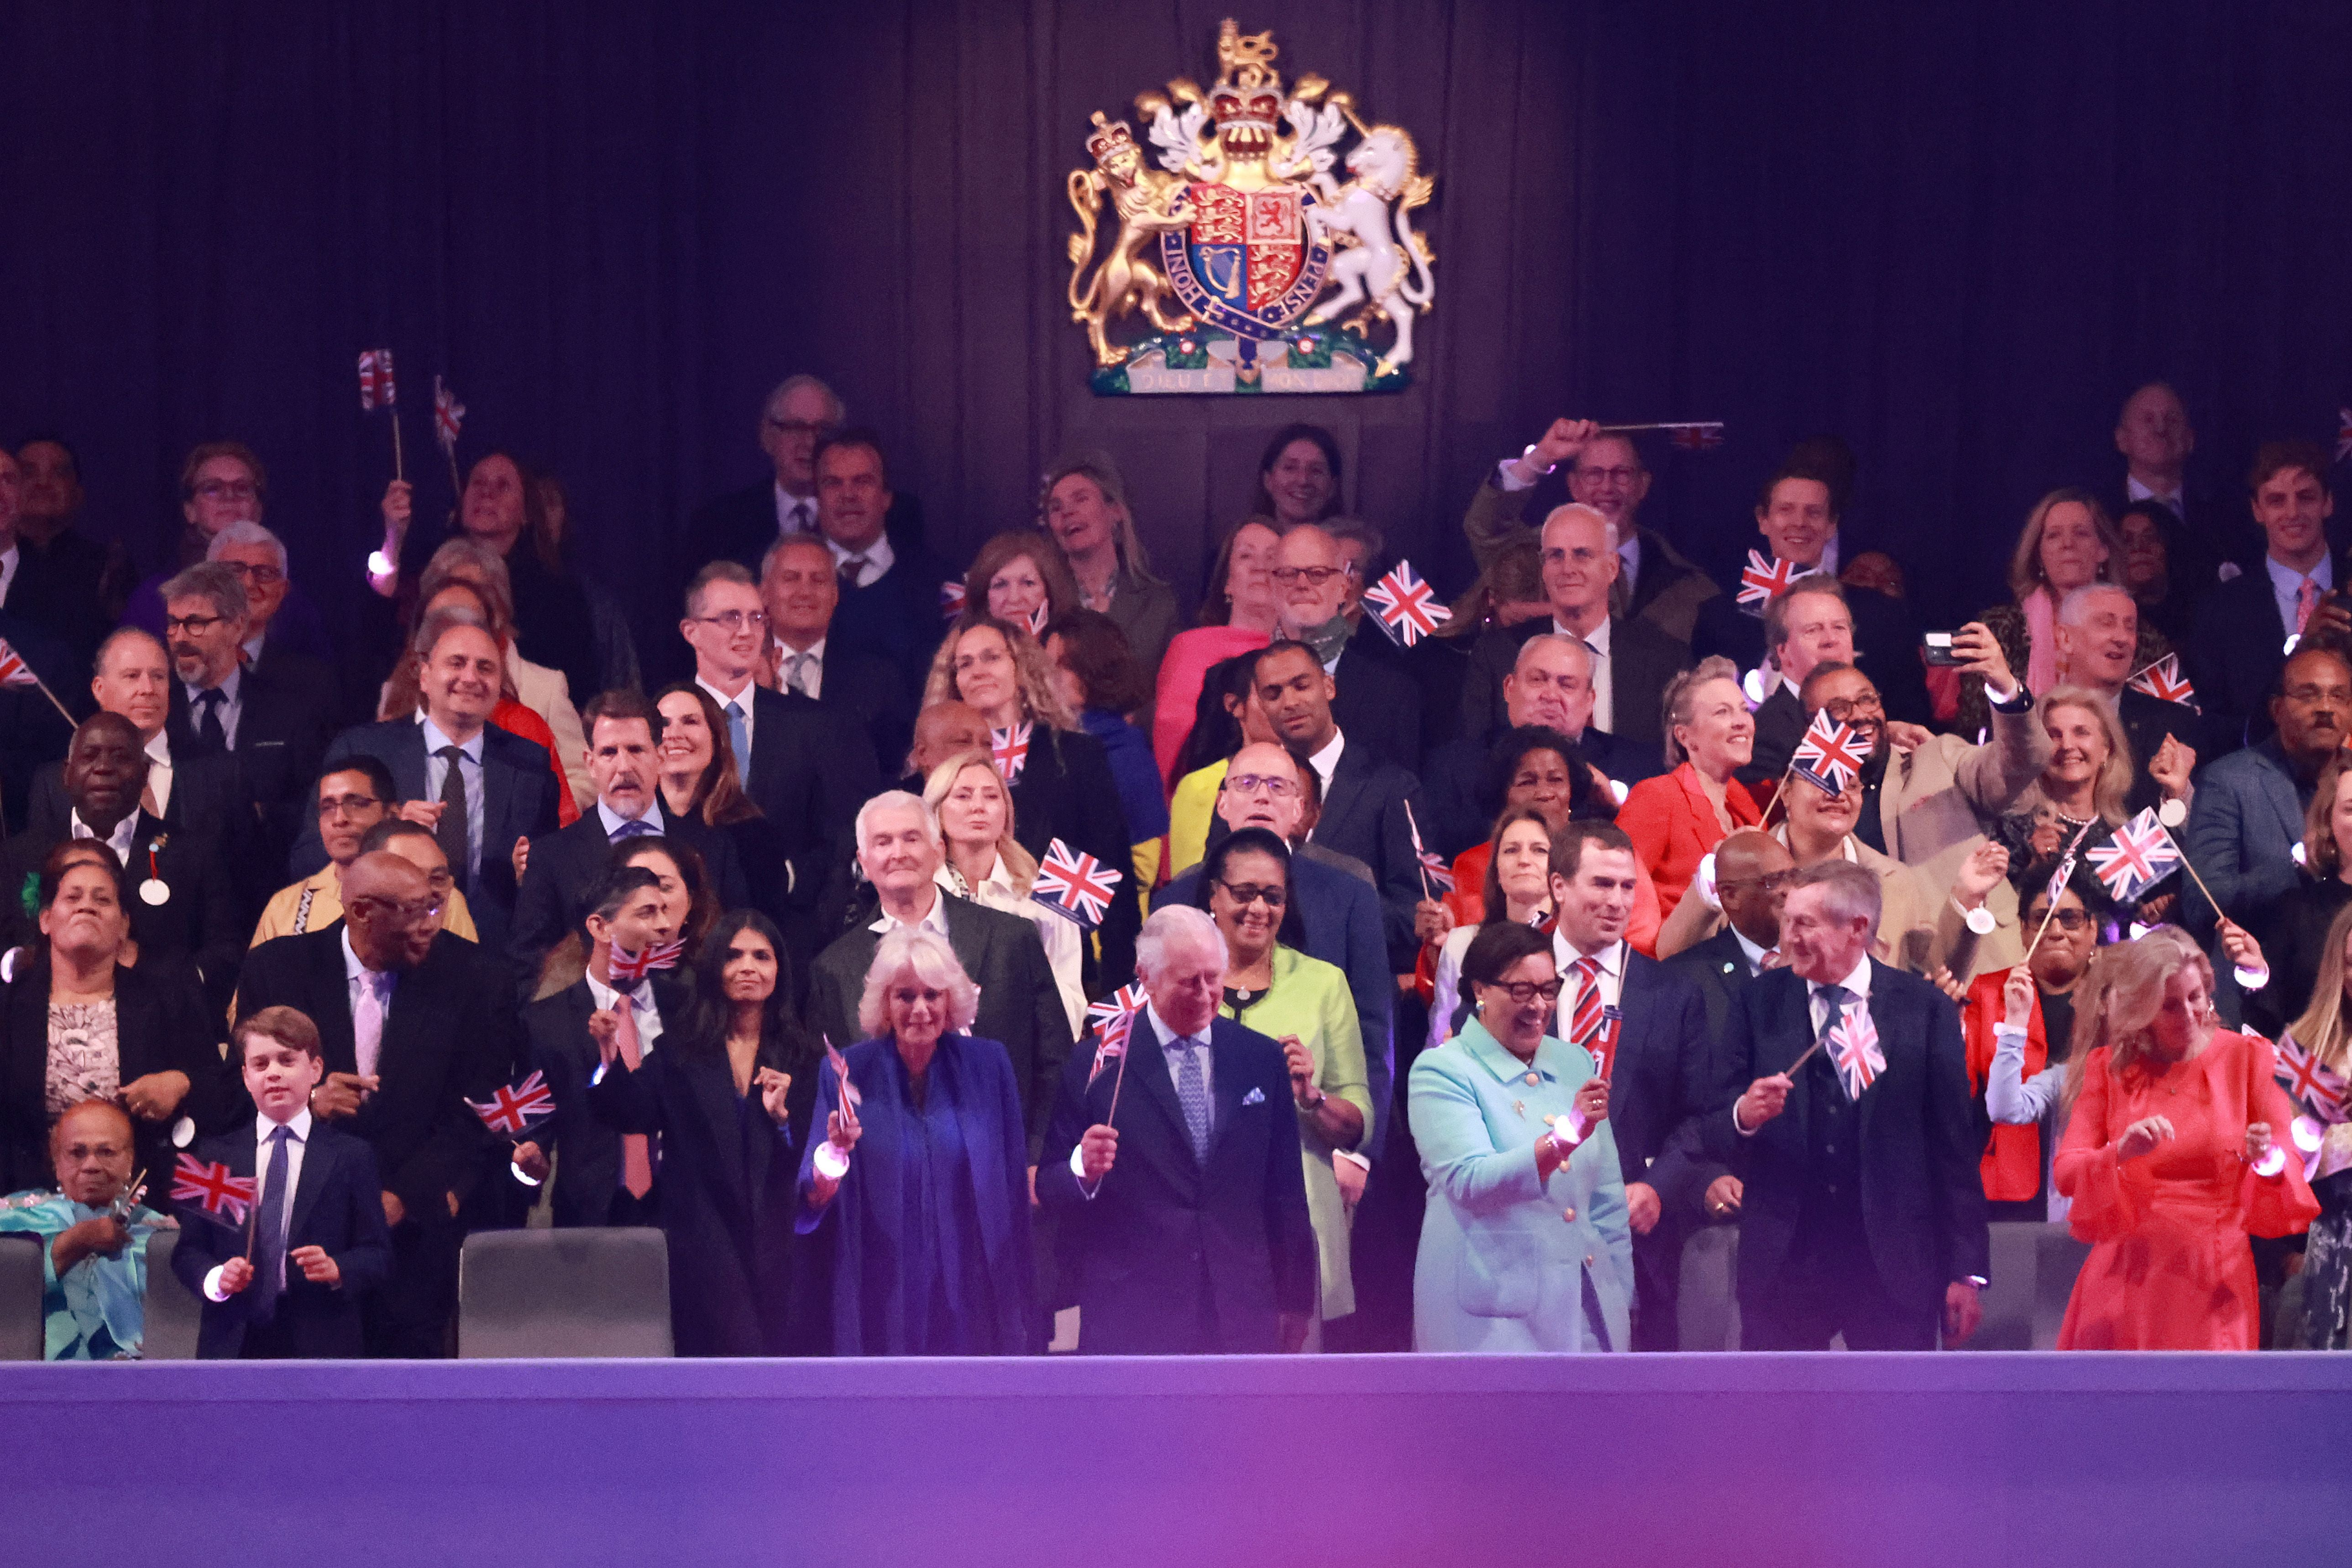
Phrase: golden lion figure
(1146, 201)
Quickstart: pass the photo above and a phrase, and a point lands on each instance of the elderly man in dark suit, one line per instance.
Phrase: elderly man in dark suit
(413, 1022)
(1863, 1213)
(898, 849)
(478, 788)
(1185, 1225)
(1365, 799)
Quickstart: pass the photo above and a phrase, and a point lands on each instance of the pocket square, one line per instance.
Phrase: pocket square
(1255, 1096)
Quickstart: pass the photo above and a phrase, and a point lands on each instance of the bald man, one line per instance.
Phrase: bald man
(413, 1022)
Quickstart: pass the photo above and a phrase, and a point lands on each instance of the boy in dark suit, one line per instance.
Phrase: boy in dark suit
(288, 1284)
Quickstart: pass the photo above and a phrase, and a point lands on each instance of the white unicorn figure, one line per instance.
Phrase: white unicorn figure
(1383, 261)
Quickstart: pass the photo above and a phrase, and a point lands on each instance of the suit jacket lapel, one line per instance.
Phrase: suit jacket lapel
(1347, 785)
(712, 1085)
(1225, 1085)
(317, 1165)
(1147, 1066)
(337, 1039)
(498, 799)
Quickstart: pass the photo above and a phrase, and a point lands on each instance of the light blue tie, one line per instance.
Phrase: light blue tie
(739, 735)
(1192, 1094)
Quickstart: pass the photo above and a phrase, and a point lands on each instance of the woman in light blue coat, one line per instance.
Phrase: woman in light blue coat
(1525, 1245)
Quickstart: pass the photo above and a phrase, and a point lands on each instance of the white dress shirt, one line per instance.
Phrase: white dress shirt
(159, 771)
(794, 514)
(2134, 491)
(232, 705)
(119, 840)
(436, 768)
(646, 1012)
(811, 670)
(1754, 954)
(743, 698)
(935, 919)
(1611, 978)
(2286, 585)
(1596, 642)
(262, 1127)
(613, 819)
(1326, 762)
(879, 559)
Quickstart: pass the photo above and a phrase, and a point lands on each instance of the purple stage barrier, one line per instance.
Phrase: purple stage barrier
(1994, 1459)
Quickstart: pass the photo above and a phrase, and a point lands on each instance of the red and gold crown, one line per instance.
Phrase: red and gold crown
(1248, 92)
(1109, 136)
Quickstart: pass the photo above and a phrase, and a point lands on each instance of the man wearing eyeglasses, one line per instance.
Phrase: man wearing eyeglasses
(223, 483)
(1375, 703)
(355, 795)
(413, 1022)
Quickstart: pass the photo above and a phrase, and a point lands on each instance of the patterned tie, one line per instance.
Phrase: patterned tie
(212, 740)
(1192, 1094)
(1771, 960)
(1584, 1025)
(452, 833)
(636, 1149)
(636, 827)
(367, 1021)
(2306, 599)
(270, 1231)
(739, 735)
(851, 570)
(796, 678)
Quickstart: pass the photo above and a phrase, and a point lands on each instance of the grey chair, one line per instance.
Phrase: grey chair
(2060, 1259)
(1707, 1309)
(2013, 1300)
(171, 1313)
(541, 1294)
(23, 1336)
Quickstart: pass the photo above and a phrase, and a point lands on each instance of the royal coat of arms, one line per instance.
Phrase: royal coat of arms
(1257, 269)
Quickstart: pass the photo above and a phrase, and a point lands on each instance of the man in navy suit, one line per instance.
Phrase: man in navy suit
(1863, 1213)
(1653, 1050)
(1185, 1225)
(1376, 700)
(800, 591)
(478, 788)
(2245, 626)
(889, 588)
(1752, 869)
(288, 1283)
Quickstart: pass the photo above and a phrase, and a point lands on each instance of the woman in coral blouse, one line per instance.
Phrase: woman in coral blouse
(2175, 1152)
(1676, 820)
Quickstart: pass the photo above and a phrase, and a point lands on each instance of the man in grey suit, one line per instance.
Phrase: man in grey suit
(898, 847)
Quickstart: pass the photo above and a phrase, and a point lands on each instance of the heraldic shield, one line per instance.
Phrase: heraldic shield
(1260, 270)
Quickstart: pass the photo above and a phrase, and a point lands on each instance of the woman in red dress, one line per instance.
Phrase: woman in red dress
(2175, 1152)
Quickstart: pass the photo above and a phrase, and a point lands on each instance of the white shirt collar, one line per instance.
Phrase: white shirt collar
(434, 740)
(1166, 1032)
(742, 694)
(785, 501)
(2135, 490)
(935, 919)
(1754, 954)
(353, 968)
(1327, 760)
(159, 749)
(786, 652)
(878, 553)
(230, 685)
(1857, 983)
(119, 840)
(613, 819)
(2286, 579)
(1597, 639)
(300, 1121)
(1611, 959)
(640, 999)
(998, 877)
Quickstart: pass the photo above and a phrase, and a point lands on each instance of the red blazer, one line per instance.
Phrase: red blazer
(2012, 1155)
(1674, 827)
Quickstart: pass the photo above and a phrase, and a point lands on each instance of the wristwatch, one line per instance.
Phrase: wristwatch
(1317, 1103)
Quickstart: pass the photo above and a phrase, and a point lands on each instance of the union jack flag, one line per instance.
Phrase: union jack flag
(1406, 607)
(210, 1187)
(2343, 434)
(851, 1095)
(1075, 884)
(1010, 749)
(952, 598)
(2316, 1086)
(1111, 1045)
(1853, 1049)
(1831, 754)
(1763, 580)
(516, 1105)
(628, 968)
(13, 671)
(1035, 620)
(1433, 869)
(447, 415)
(1704, 437)
(2164, 682)
(2140, 854)
(377, 389)
(1129, 998)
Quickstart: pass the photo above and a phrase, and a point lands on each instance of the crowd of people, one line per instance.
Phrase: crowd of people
(1466, 979)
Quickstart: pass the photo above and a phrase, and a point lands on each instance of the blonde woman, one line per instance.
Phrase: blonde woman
(985, 863)
(2177, 1150)
(1083, 509)
(2087, 784)
(1676, 820)
(2324, 1030)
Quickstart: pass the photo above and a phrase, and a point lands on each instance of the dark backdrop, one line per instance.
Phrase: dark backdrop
(1954, 234)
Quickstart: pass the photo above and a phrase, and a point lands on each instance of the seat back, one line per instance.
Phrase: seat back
(173, 1312)
(2060, 1259)
(546, 1294)
(23, 1334)
(2012, 1299)
(1707, 1309)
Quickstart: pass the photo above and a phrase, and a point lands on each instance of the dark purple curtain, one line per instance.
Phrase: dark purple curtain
(1954, 234)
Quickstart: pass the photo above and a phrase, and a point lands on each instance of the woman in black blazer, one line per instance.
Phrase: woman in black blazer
(1060, 776)
(731, 1091)
(81, 1022)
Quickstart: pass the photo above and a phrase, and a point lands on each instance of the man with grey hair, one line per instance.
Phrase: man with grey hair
(1376, 703)
(898, 851)
(132, 677)
(2098, 635)
(739, 526)
(1869, 1225)
(1185, 1225)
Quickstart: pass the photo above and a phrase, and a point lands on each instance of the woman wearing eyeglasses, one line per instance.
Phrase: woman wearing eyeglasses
(1272, 986)
(1525, 1246)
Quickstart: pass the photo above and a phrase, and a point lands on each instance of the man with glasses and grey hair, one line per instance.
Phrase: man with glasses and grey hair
(1377, 703)
(1174, 1169)
(1861, 1220)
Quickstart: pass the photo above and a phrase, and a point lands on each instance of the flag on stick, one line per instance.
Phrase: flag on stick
(516, 1105)
(1075, 884)
(208, 1186)
(15, 672)
(1406, 607)
(1763, 580)
(2140, 854)
(628, 968)
(1831, 754)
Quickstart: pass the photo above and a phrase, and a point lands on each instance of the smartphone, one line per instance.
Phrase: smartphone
(1937, 646)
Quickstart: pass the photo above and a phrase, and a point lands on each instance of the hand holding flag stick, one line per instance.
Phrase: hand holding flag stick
(15, 672)
(2057, 885)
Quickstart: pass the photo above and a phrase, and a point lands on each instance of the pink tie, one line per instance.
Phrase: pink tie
(636, 1150)
(2306, 599)
(367, 1022)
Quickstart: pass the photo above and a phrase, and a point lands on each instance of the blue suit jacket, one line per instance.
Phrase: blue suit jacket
(1342, 915)
(2241, 834)
(1660, 1084)
(518, 802)
(338, 1205)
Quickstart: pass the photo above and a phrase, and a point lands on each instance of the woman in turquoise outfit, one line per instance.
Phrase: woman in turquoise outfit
(1525, 1246)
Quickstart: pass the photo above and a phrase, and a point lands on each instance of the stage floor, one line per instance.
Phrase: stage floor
(1996, 1459)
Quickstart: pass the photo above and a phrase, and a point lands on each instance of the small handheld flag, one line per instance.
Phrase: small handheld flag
(1761, 580)
(1853, 1049)
(1110, 1045)
(1009, 749)
(448, 414)
(378, 389)
(2318, 1088)
(1434, 871)
(209, 1186)
(851, 1098)
(1831, 754)
(516, 1105)
(628, 968)
(1702, 438)
(15, 672)
(2164, 682)
(1075, 884)
(1404, 606)
(952, 598)
(2140, 854)
(1128, 998)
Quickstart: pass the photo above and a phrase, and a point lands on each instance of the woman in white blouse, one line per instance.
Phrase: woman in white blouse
(984, 864)
(1518, 882)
